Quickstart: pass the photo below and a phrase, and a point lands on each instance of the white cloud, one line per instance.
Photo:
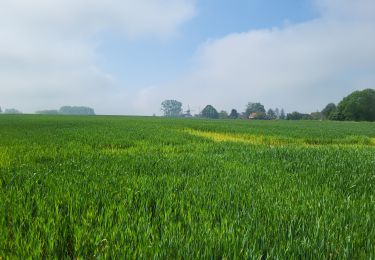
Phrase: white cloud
(358, 9)
(134, 17)
(299, 67)
(48, 58)
(46, 55)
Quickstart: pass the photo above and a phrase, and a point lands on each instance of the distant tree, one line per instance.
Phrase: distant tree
(316, 115)
(298, 116)
(336, 116)
(306, 117)
(12, 111)
(171, 108)
(358, 106)
(223, 114)
(210, 112)
(277, 113)
(271, 115)
(233, 114)
(68, 110)
(1, 111)
(328, 111)
(254, 108)
(282, 114)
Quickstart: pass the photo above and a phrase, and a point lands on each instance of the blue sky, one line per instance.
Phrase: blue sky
(127, 56)
(146, 61)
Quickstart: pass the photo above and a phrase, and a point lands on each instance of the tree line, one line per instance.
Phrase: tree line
(173, 108)
(65, 110)
(69, 110)
(358, 106)
(10, 111)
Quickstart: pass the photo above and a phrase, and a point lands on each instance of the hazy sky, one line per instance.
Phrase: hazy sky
(127, 56)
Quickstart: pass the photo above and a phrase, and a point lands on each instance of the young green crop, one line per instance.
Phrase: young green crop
(133, 187)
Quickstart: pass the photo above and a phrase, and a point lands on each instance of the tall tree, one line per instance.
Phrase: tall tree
(271, 115)
(1, 111)
(233, 114)
(171, 108)
(223, 114)
(254, 108)
(328, 111)
(358, 106)
(210, 112)
(282, 114)
(277, 113)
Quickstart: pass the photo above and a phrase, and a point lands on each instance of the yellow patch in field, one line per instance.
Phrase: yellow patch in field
(238, 138)
(274, 140)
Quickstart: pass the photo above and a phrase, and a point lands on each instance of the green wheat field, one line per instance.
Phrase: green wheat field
(138, 187)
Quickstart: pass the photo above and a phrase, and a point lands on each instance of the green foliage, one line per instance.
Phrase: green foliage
(133, 187)
(210, 112)
(358, 106)
(233, 114)
(277, 113)
(171, 108)
(298, 116)
(336, 116)
(282, 114)
(223, 115)
(254, 108)
(316, 115)
(12, 111)
(329, 111)
(271, 114)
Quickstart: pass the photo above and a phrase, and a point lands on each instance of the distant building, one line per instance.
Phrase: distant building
(241, 116)
(253, 116)
(187, 114)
